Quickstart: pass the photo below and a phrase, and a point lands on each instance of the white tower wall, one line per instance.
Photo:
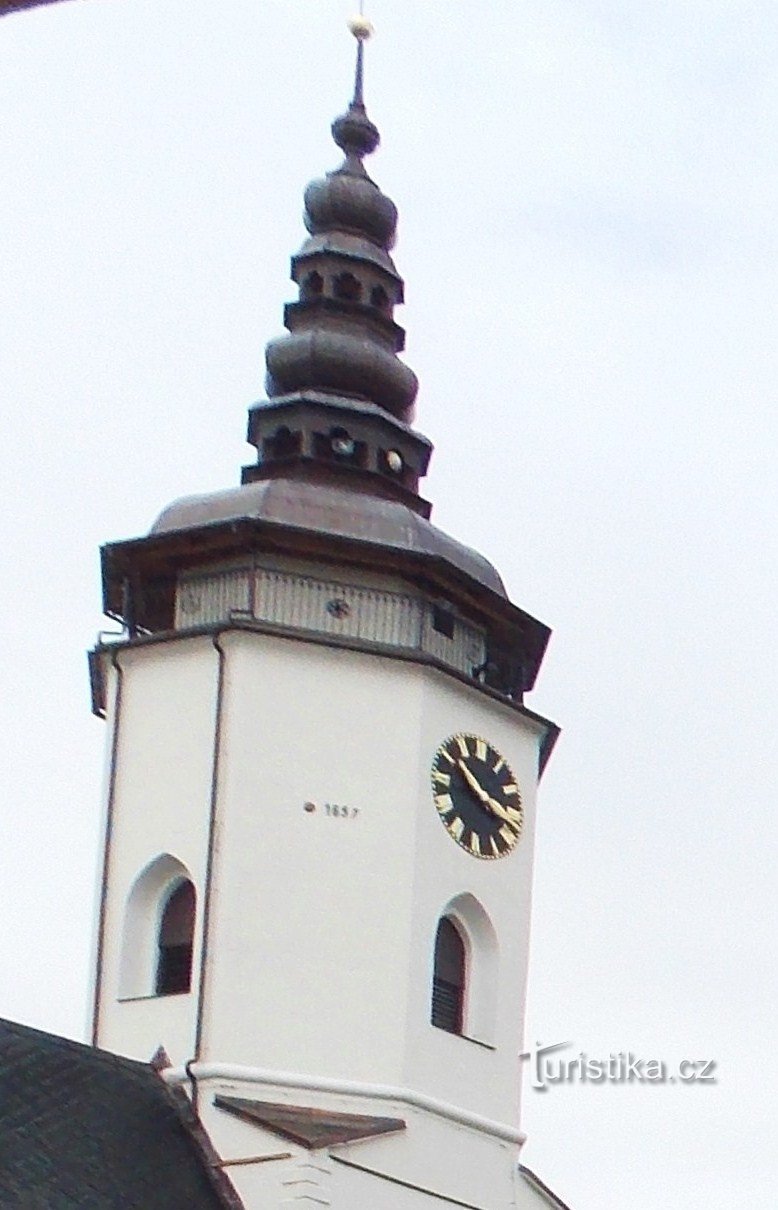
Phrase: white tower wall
(321, 926)
(159, 787)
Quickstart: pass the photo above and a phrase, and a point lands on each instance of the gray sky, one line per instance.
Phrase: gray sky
(589, 228)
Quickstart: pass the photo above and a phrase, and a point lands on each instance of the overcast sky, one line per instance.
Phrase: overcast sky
(588, 204)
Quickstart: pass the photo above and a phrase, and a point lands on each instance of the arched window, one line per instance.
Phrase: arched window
(312, 286)
(465, 973)
(176, 930)
(159, 917)
(379, 298)
(449, 978)
(346, 286)
(283, 443)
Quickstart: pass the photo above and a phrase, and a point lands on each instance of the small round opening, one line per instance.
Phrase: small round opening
(343, 446)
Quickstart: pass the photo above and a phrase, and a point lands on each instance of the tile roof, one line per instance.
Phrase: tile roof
(83, 1128)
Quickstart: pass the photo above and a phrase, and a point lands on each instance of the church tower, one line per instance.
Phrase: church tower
(322, 775)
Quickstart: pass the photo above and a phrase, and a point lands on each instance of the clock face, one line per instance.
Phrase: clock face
(477, 797)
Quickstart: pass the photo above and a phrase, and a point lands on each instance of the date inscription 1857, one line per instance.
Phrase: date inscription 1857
(334, 810)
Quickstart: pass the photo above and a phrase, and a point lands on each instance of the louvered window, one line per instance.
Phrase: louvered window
(448, 979)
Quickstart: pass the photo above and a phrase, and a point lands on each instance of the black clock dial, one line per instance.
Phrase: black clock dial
(477, 796)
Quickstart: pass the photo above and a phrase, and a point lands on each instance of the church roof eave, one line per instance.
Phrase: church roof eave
(448, 568)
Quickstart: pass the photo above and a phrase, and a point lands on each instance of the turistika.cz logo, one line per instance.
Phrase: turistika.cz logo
(548, 1067)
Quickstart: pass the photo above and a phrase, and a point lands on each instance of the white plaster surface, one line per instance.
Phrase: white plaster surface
(322, 925)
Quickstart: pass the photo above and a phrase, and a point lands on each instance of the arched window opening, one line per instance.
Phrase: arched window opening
(465, 974)
(379, 298)
(312, 286)
(145, 911)
(449, 978)
(346, 286)
(283, 444)
(339, 446)
(176, 931)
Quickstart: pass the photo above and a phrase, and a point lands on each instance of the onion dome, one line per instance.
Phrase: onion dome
(343, 339)
(347, 199)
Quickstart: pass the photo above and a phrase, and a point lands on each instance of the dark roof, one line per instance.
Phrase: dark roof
(83, 1128)
(329, 510)
(316, 521)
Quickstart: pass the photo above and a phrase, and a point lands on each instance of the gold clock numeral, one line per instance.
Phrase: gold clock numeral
(444, 803)
(456, 828)
(445, 752)
(480, 749)
(496, 850)
(443, 779)
(475, 844)
(511, 788)
(463, 748)
(515, 817)
(508, 835)
(500, 765)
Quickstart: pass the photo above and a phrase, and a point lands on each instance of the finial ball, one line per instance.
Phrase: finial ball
(361, 28)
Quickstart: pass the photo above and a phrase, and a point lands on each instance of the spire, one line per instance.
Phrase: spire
(347, 199)
(343, 342)
(362, 30)
(353, 131)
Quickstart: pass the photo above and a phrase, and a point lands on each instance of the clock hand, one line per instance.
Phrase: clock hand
(474, 784)
(505, 813)
(491, 805)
